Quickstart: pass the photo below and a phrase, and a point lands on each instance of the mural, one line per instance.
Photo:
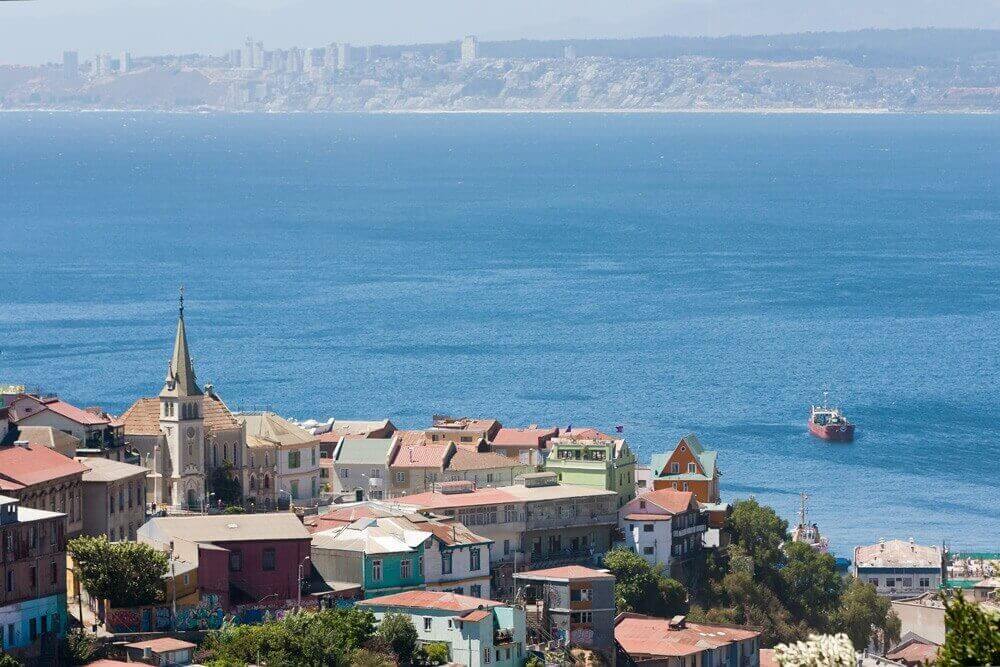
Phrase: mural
(206, 615)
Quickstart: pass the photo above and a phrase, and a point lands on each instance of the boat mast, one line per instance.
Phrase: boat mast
(802, 508)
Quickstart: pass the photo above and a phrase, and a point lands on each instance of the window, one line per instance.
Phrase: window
(579, 594)
(581, 617)
(427, 623)
(376, 570)
(555, 543)
(907, 582)
(53, 573)
(890, 582)
(235, 561)
(10, 580)
(445, 562)
(487, 655)
(675, 468)
(642, 504)
(685, 486)
(489, 478)
(506, 547)
(33, 577)
(345, 473)
(295, 488)
(420, 565)
(873, 581)
(474, 559)
(647, 551)
(692, 467)
(647, 527)
(925, 582)
(400, 477)
(33, 629)
(267, 558)
(405, 568)
(294, 459)
(476, 591)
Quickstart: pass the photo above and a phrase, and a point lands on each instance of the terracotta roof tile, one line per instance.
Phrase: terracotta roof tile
(475, 616)
(523, 437)
(143, 418)
(670, 500)
(409, 437)
(465, 459)
(432, 600)
(567, 572)
(423, 456)
(163, 645)
(35, 464)
(644, 635)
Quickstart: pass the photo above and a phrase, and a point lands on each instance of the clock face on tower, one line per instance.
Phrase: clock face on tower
(190, 432)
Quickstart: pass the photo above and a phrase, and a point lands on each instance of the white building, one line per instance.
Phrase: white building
(477, 632)
(290, 455)
(455, 558)
(470, 49)
(343, 55)
(662, 526)
(899, 569)
(125, 63)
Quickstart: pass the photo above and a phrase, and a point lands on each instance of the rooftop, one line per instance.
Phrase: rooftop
(897, 553)
(422, 456)
(46, 436)
(505, 494)
(143, 418)
(642, 635)
(22, 466)
(106, 470)
(266, 429)
(668, 500)
(411, 437)
(226, 528)
(566, 573)
(363, 451)
(464, 459)
(523, 437)
(343, 516)
(431, 600)
(163, 645)
(463, 424)
(28, 514)
(38, 404)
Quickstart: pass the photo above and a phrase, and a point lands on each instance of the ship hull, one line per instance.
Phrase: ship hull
(833, 432)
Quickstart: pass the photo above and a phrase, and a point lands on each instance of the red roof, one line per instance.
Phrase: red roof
(344, 516)
(432, 600)
(649, 517)
(915, 653)
(585, 434)
(567, 572)
(475, 616)
(643, 635)
(35, 464)
(163, 645)
(767, 658)
(434, 500)
(421, 456)
(670, 500)
(523, 437)
(71, 412)
(410, 437)
(104, 662)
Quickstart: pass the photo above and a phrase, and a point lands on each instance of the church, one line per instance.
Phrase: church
(187, 437)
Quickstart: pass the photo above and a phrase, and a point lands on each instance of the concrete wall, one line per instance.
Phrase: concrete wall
(928, 622)
(461, 573)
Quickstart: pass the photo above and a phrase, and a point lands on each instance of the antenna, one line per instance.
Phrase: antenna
(802, 508)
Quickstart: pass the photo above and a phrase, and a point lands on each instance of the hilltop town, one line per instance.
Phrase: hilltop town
(174, 532)
(955, 70)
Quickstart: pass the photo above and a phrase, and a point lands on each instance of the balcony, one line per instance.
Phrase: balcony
(690, 530)
(570, 520)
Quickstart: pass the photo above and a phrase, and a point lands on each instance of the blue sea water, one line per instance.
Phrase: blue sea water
(671, 273)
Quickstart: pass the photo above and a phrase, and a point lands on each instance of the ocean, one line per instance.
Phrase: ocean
(671, 273)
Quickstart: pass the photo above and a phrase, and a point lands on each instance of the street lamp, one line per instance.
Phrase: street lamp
(298, 603)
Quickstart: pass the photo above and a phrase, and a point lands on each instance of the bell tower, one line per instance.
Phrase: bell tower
(182, 424)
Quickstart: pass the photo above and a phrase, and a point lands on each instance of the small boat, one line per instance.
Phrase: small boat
(830, 423)
(808, 533)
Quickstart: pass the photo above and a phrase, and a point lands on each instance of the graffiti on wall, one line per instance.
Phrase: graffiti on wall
(582, 637)
(206, 615)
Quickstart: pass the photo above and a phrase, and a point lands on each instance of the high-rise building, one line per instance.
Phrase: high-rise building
(125, 63)
(470, 48)
(343, 55)
(102, 65)
(330, 57)
(294, 62)
(258, 55)
(246, 54)
(312, 59)
(235, 58)
(71, 65)
(569, 52)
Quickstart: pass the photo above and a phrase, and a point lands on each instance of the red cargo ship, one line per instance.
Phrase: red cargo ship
(830, 423)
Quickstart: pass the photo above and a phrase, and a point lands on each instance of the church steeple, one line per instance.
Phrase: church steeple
(181, 379)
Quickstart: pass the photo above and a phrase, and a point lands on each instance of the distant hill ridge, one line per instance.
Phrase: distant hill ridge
(915, 46)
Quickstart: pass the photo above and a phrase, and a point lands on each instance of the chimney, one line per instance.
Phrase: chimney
(22, 443)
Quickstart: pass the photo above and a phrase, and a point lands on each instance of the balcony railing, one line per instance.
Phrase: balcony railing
(566, 520)
(690, 530)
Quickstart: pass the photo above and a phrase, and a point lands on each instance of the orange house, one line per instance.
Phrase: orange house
(688, 468)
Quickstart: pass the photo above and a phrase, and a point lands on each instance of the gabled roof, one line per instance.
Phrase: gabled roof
(566, 573)
(523, 437)
(363, 451)
(669, 500)
(143, 418)
(59, 407)
(344, 516)
(409, 437)
(586, 433)
(34, 464)
(706, 459)
(642, 635)
(46, 436)
(266, 429)
(388, 535)
(431, 455)
(464, 459)
(431, 600)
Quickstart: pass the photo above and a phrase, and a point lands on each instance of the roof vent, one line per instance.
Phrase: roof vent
(232, 526)
(461, 486)
(678, 622)
(22, 443)
(536, 479)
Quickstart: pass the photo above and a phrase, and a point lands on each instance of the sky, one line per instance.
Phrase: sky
(35, 31)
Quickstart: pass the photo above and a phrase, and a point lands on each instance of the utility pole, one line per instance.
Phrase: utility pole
(298, 603)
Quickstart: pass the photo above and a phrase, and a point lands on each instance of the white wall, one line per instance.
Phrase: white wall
(659, 540)
(461, 573)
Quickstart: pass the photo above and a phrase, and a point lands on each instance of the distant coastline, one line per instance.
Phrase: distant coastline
(499, 111)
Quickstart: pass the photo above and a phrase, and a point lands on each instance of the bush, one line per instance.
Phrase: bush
(77, 648)
(398, 631)
(435, 653)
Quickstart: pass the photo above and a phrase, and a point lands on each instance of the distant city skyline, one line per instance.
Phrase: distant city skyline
(35, 32)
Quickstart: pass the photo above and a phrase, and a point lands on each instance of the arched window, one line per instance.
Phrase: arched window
(253, 483)
(267, 482)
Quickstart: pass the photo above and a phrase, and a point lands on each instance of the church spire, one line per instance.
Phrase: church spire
(180, 374)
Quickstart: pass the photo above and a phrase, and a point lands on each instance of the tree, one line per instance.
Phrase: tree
(398, 631)
(817, 651)
(748, 601)
(328, 637)
(128, 574)
(77, 648)
(225, 486)
(865, 617)
(759, 533)
(7, 660)
(972, 634)
(811, 587)
(643, 588)
(435, 653)
(365, 658)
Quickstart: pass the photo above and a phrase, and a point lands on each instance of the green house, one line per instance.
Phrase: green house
(588, 457)
(376, 554)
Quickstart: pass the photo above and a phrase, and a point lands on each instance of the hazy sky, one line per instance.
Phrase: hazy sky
(38, 30)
